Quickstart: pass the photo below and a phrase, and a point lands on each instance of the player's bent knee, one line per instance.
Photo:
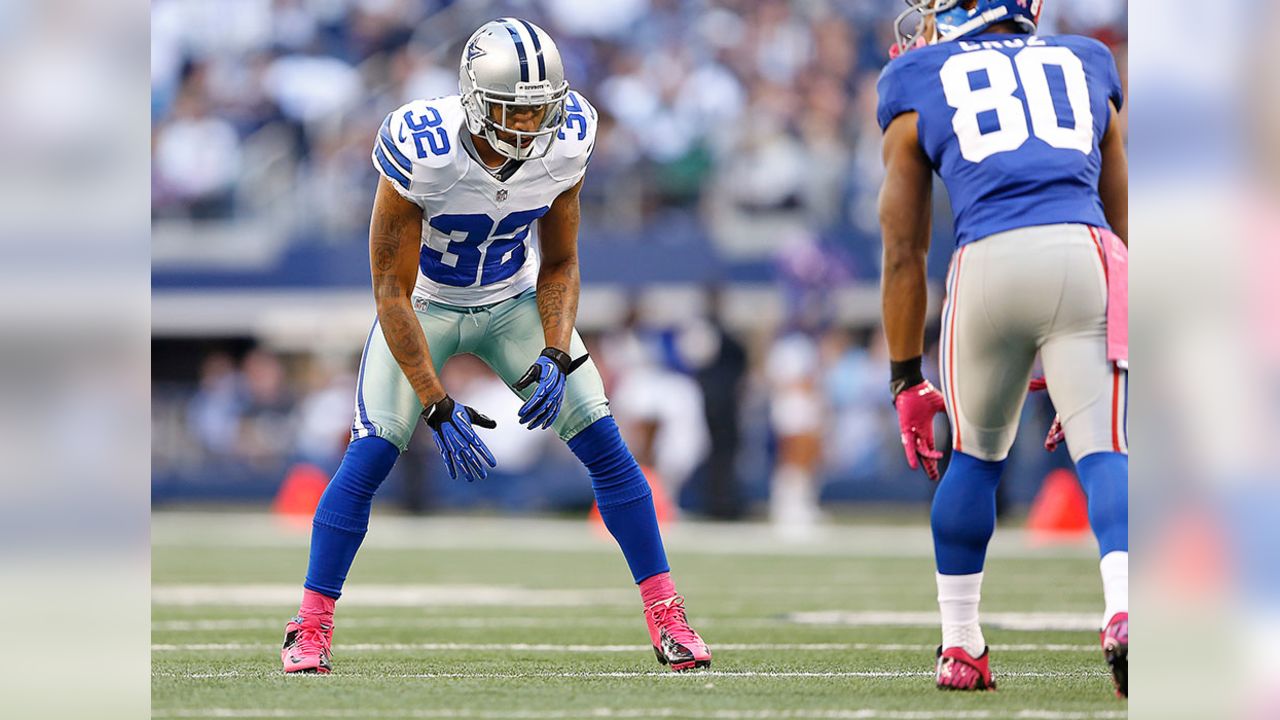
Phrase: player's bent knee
(395, 430)
(991, 455)
(585, 403)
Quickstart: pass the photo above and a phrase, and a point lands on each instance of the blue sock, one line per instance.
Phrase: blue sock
(1105, 479)
(342, 518)
(623, 496)
(964, 514)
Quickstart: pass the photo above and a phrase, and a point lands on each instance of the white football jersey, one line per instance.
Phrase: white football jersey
(478, 232)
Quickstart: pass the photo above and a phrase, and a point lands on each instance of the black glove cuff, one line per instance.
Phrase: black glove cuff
(904, 374)
(560, 358)
(438, 413)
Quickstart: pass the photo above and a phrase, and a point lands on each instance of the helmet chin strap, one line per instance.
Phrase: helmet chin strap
(511, 150)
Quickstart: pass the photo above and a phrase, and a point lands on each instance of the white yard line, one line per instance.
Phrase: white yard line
(581, 648)
(697, 676)
(1005, 620)
(426, 595)
(835, 714)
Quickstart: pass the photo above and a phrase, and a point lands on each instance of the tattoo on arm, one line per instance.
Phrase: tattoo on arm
(392, 262)
(384, 250)
(558, 283)
(553, 302)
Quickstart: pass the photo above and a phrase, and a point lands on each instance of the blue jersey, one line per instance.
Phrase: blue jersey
(1011, 124)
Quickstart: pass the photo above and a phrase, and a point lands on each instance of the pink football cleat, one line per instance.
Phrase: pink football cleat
(307, 643)
(958, 670)
(674, 642)
(1115, 648)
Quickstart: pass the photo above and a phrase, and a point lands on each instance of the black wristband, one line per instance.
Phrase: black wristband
(438, 413)
(904, 374)
(560, 358)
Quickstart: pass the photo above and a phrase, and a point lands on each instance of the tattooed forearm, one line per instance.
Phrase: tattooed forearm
(558, 302)
(394, 240)
(558, 278)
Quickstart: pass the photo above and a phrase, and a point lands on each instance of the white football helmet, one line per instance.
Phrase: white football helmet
(511, 66)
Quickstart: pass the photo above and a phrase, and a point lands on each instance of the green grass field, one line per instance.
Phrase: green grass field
(517, 618)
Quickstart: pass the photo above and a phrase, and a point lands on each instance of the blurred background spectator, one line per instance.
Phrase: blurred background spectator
(737, 150)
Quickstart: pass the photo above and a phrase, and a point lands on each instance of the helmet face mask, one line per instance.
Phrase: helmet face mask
(520, 128)
(927, 22)
(513, 89)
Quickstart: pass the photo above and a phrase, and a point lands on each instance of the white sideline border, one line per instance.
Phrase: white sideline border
(1036, 621)
(691, 537)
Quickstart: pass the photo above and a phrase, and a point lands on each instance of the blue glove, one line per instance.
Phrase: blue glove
(551, 371)
(456, 440)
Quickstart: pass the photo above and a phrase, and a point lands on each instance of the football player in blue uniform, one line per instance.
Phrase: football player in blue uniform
(1023, 132)
(468, 184)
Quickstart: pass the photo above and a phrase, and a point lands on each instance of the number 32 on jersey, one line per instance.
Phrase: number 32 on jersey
(468, 248)
(1028, 69)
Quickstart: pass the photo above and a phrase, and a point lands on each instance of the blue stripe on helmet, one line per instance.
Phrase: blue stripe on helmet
(524, 59)
(389, 168)
(399, 157)
(537, 50)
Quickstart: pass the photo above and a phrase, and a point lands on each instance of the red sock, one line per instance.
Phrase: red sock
(656, 588)
(313, 603)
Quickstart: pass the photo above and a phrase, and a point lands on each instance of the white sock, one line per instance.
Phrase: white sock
(1115, 584)
(958, 597)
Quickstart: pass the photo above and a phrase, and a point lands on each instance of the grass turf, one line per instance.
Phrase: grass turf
(578, 647)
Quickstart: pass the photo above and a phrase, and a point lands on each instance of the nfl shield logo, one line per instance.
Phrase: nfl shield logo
(502, 194)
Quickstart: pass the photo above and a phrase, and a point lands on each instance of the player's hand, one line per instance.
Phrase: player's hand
(456, 439)
(916, 407)
(551, 371)
(1055, 436)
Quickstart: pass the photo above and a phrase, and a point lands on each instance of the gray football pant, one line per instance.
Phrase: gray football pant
(1012, 295)
(507, 336)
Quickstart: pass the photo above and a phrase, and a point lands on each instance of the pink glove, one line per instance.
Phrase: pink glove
(1056, 436)
(916, 407)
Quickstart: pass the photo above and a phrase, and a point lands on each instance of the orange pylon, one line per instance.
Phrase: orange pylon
(299, 494)
(1060, 510)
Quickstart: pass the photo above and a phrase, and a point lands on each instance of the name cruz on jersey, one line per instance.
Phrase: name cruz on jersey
(478, 233)
(1011, 124)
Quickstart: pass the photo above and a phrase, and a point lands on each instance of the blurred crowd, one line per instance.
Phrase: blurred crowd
(746, 122)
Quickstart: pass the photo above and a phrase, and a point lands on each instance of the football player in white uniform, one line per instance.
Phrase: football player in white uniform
(456, 270)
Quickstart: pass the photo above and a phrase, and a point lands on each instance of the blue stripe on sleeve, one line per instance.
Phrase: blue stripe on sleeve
(391, 170)
(399, 157)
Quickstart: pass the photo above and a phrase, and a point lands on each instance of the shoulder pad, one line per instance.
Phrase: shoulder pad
(896, 90)
(575, 141)
(417, 146)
